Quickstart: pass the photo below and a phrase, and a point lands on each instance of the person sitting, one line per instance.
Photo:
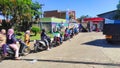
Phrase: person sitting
(67, 32)
(27, 38)
(45, 38)
(71, 32)
(3, 41)
(59, 34)
(11, 41)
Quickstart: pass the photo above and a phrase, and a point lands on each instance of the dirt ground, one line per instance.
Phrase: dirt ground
(85, 50)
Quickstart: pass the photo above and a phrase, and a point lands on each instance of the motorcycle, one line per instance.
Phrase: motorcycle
(11, 53)
(76, 31)
(24, 49)
(71, 33)
(66, 37)
(56, 41)
(40, 45)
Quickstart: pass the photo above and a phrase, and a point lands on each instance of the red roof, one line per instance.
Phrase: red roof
(97, 19)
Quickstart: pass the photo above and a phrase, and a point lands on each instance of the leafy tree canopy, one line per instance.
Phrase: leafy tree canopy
(19, 10)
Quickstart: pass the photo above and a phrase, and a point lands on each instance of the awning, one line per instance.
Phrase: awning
(95, 20)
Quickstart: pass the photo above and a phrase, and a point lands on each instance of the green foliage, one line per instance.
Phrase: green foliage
(82, 17)
(35, 29)
(50, 35)
(19, 10)
(117, 16)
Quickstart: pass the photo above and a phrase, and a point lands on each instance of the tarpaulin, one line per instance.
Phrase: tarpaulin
(94, 20)
(108, 21)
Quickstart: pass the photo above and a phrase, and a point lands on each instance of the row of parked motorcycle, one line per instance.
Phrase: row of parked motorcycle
(39, 45)
(58, 39)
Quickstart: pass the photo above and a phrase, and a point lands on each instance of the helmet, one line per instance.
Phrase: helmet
(27, 32)
(43, 30)
(10, 31)
(3, 31)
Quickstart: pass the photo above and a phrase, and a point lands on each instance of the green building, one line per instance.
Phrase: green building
(51, 23)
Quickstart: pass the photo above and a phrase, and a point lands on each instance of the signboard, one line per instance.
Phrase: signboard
(108, 21)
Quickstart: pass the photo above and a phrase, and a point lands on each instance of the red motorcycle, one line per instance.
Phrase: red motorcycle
(56, 41)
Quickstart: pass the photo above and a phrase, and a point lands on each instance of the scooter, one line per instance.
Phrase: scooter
(56, 41)
(40, 45)
(66, 37)
(24, 49)
(11, 53)
(76, 31)
(71, 33)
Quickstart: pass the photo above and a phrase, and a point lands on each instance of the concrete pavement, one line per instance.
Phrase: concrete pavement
(85, 50)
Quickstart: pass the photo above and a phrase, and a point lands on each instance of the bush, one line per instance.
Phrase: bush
(35, 29)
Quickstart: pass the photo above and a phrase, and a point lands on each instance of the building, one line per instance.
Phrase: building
(51, 23)
(109, 15)
(60, 14)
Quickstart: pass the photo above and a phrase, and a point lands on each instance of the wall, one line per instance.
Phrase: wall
(46, 26)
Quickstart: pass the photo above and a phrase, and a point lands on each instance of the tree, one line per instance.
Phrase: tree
(117, 16)
(35, 30)
(19, 11)
(82, 17)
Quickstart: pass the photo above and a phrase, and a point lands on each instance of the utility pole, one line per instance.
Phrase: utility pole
(41, 15)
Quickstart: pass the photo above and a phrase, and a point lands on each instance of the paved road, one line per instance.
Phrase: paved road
(86, 50)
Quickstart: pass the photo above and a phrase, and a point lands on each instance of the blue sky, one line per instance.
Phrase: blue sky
(82, 7)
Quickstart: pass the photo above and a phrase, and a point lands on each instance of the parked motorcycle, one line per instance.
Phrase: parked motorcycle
(71, 33)
(66, 37)
(76, 31)
(24, 49)
(40, 45)
(56, 41)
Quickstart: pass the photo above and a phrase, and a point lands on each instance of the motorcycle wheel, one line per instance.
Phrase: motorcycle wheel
(26, 50)
(0, 57)
(65, 38)
(35, 48)
(42, 47)
(58, 43)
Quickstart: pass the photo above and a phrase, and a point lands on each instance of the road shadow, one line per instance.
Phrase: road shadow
(74, 62)
(102, 43)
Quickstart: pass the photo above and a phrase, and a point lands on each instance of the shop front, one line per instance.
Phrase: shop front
(94, 24)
